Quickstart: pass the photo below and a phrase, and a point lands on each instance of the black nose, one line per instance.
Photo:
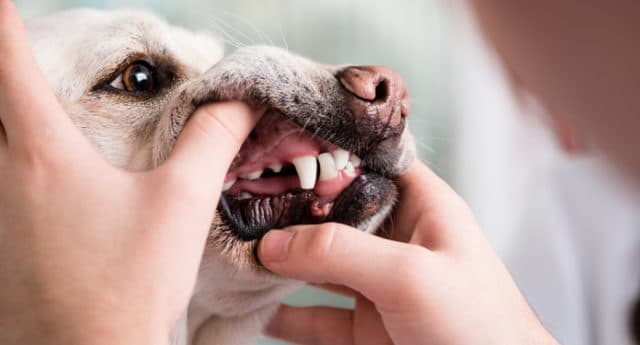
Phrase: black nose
(380, 95)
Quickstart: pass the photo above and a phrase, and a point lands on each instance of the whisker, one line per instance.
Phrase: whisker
(306, 122)
(232, 30)
(391, 228)
(261, 35)
(424, 146)
(284, 39)
(227, 36)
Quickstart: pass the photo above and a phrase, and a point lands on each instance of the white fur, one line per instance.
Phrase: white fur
(229, 306)
(233, 299)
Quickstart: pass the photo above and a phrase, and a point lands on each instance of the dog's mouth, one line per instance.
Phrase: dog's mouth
(285, 175)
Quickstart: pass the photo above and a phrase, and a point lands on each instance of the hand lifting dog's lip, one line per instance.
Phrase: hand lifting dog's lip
(285, 175)
(327, 150)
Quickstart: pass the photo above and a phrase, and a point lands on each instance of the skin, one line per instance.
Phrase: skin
(435, 280)
(445, 284)
(78, 261)
(435, 275)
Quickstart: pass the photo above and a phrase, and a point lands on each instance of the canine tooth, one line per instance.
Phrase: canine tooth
(349, 169)
(355, 160)
(276, 168)
(244, 196)
(228, 185)
(341, 157)
(252, 175)
(328, 168)
(307, 168)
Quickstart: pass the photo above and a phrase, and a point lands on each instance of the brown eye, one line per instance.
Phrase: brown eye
(138, 77)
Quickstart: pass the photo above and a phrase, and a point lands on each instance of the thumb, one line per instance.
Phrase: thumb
(339, 254)
(211, 139)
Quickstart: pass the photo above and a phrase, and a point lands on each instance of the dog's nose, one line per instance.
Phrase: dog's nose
(379, 92)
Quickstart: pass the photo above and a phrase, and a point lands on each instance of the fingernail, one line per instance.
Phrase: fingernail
(275, 245)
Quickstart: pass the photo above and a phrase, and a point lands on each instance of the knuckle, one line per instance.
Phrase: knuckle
(414, 264)
(201, 124)
(210, 119)
(323, 243)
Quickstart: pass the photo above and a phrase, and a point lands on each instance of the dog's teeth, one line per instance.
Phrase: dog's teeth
(252, 175)
(307, 169)
(228, 185)
(349, 169)
(355, 160)
(328, 168)
(244, 196)
(341, 157)
(276, 168)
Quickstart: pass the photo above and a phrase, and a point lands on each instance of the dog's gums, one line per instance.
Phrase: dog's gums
(326, 151)
(285, 175)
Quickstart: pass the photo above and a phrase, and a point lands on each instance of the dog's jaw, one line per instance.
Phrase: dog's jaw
(138, 135)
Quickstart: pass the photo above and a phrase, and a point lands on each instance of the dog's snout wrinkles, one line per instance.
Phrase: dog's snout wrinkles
(380, 95)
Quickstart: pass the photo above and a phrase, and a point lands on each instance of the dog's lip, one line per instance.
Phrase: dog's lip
(251, 216)
(277, 140)
(281, 184)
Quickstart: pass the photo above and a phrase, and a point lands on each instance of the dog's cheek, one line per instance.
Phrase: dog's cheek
(392, 157)
(224, 247)
(409, 152)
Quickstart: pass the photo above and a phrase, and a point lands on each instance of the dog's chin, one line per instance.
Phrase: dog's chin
(364, 205)
(264, 186)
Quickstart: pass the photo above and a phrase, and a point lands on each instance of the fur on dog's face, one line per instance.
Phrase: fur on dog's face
(130, 82)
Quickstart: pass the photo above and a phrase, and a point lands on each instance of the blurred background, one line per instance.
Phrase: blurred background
(488, 140)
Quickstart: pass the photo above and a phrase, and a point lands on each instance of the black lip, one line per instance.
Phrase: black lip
(250, 219)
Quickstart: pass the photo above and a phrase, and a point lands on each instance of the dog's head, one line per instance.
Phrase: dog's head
(326, 150)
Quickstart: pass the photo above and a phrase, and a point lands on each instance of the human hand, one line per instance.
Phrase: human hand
(445, 285)
(90, 253)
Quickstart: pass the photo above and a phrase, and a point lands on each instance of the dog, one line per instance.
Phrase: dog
(327, 149)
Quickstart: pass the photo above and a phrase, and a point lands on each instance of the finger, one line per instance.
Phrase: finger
(368, 324)
(193, 175)
(3, 145)
(210, 140)
(338, 254)
(312, 325)
(337, 289)
(429, 212)
(29, 110)
(3, 136)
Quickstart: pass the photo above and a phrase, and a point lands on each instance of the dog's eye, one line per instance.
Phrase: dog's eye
(137, 77)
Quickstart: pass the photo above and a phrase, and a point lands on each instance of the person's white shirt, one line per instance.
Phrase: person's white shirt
(568, 228)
